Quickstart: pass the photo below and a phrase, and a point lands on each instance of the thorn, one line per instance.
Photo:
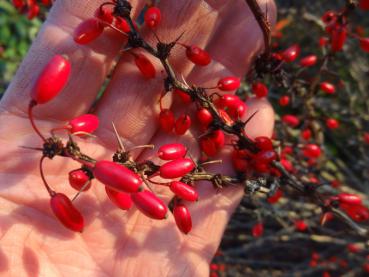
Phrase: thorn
(31, 148)
(249, 119)
(120, 143)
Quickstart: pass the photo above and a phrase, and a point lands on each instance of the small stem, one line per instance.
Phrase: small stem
(81, 190)
(49, 190)
(30, 116)
(117, 136)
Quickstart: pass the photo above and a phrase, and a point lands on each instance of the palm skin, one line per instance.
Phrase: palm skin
(114, 242)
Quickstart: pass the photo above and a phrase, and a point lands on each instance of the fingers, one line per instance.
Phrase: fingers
(131, 101)
(90, 63)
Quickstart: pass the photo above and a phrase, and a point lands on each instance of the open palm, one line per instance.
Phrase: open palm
(114, 242)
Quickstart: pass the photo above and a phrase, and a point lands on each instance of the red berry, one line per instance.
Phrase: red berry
(104, 14)
(78, 179)
(329, 16)
(65, 211)
(145, 66)
(182, 124)
(263, 143)
(122, 25)
(197, 55)
(257, 230)
(300, 225)
(364, 44)
(327, 87)
(259, 89)
(152, 17)
(284, 100)
(182, 217)
(176, 168)
(120, 199)
(287, 165)
(265, 156)
(185, 97)
(350, 199)
(229, 83)
(212, 143)
(291, 120)
(332, 123)
(239, 161)
(291, 53)
(204, 116)
(149, 204)
(117, 176)
(18, 4)
(33, 11)
(234, 106)
(364, 5)
(308, 61)
(312, 151)
(52, 80)
(225, 117)
(86, 123)
(353, 248)
(166, 120)
(323, 41)
(275, 197)
(338, 38)
(88, 31)
(306, 134)
(172, 151)
(366, 137)
(184, 191)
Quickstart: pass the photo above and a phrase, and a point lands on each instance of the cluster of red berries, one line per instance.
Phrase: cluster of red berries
(30, 7)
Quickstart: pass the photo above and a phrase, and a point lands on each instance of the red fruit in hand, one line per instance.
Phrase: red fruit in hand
(263, 143)
(184, 191)
(120, 199)
(185, 97)
(166, 120)
(176, 168)
(308, 61)
(78, 179)
(229, 83)
(329, 17)
(33, 11)
(122, 25)
(259, 89)
(149, 204)
(182, 217)
(52, 80)
(86, 123)
(291, 53)
(117, 176)
(204, 116)
(104, 14)
(306, 134)
(327, 87)
(212, 143)
(182, 124)
(240, 160)
(233, 105)
(257, 230)
(152, 17)
(88, 31)
(145, 66)
(65, 211)
(197, 55)
(172, 151)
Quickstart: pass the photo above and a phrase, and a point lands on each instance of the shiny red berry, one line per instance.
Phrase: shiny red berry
(176, 168)
(172, 151)
(312, 151)
(204, 116)
(291, 53)
(120, 199)
(259, 89)
(182, 217)
(78, 179)
(332, 123)
(182, 124)
(166, 120)
(257, 230)
(149, 204)
(284, 100)
(197, 55)
(51, 80)
(152, 17)
(291, 120)
(327, 87)
(184, 191)
(86, 123)
(212, 143)
(65, 211)
(87, 31)
(229, 83)
(308, 61)
(145, 66)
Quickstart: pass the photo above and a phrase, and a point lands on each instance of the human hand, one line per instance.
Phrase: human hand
(115, 242)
